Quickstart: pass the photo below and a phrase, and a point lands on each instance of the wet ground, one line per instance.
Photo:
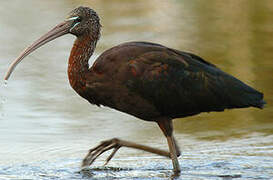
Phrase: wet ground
(46, 128)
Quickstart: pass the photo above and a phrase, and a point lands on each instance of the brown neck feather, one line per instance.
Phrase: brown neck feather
(78, 66)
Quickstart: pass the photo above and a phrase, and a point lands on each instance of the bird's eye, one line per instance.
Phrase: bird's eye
(78, 19)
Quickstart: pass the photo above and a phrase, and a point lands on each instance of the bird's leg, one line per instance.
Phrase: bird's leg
(176, 167)
(167, 128)
(115, 144)
(178, 152)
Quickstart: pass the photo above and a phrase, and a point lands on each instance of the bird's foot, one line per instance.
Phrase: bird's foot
(104, 146)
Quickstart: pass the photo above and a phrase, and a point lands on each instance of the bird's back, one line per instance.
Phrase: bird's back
(167, 82)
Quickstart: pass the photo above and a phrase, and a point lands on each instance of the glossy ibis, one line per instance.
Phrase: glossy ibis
(146, 80)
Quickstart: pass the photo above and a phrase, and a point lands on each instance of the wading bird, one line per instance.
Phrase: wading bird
(143, 79)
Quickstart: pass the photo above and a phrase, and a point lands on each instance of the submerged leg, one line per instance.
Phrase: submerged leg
(115, 144)
(167, 128)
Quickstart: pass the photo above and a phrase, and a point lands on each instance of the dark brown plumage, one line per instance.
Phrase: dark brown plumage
(146, 80)
(154, 81)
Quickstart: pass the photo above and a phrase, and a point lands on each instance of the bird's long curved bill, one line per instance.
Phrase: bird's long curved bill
(57, 31)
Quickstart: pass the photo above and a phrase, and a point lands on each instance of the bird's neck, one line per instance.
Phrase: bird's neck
(78, 66)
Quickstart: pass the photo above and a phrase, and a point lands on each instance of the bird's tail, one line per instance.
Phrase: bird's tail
(260, 104)
(243, 95)
(255, 99)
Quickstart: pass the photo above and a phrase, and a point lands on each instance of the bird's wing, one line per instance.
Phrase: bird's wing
(179, 84)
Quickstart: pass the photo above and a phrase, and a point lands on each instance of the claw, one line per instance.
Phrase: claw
(95, 152)
(115, 144)
(111, 155)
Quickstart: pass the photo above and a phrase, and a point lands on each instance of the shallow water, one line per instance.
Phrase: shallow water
(46, 128)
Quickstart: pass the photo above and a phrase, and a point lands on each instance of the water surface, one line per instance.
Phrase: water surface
(46, 128)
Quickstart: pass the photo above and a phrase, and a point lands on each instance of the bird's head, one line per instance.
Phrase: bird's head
(82, 21)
